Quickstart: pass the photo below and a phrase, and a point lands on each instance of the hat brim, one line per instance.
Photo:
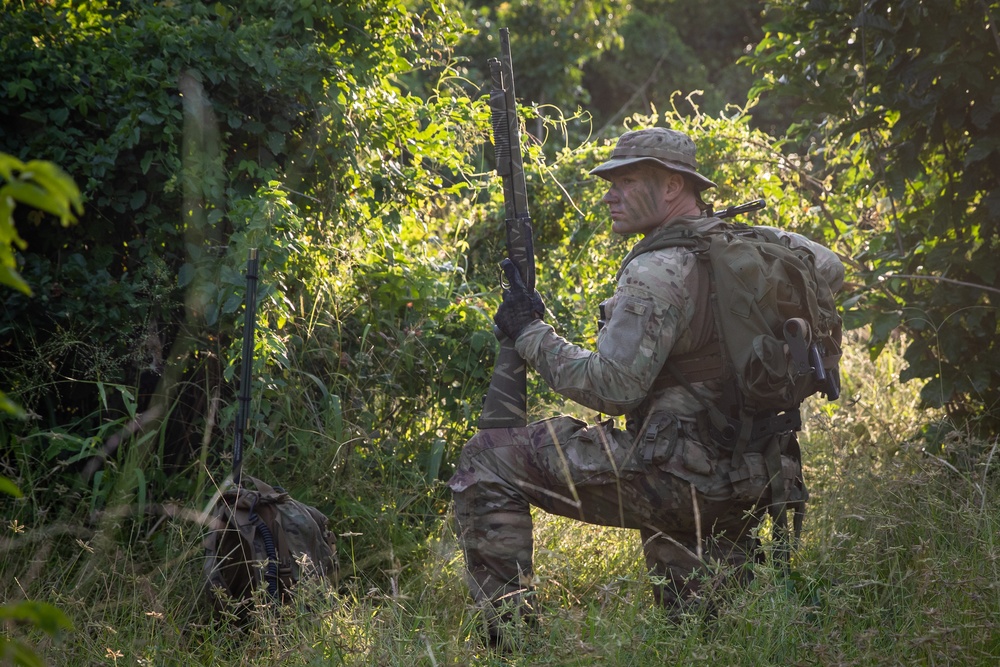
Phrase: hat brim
(614, 164)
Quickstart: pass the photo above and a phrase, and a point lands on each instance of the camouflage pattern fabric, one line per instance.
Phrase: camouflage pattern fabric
(245, 524)
(639, 477)
(650, 317)
(664, 484)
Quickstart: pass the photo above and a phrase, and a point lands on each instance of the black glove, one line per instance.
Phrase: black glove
(520, 307)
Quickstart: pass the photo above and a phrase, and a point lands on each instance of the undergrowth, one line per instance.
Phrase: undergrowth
(898, 564)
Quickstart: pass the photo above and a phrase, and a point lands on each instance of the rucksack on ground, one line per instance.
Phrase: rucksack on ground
(261, 538)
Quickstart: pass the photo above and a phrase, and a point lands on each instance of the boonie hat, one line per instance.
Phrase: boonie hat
(671, 149)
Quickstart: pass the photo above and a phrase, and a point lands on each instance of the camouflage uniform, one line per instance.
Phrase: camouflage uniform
(661, 475)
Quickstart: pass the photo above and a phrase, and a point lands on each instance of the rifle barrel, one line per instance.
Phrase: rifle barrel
(246, 364)
(739, 209)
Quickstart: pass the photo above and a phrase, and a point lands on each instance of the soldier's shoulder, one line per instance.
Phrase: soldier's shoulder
(660, 259)
(657, 270)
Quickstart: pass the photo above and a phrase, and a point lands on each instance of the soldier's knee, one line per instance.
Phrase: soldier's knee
(465, 471)
(474, 445)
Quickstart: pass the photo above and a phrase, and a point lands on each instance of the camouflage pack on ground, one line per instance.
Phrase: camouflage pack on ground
(259, 536)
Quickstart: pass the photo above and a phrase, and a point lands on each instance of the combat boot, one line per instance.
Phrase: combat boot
(510, 621)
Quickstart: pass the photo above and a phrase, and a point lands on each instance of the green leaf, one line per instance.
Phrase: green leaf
(57, 182)
(19, 653)
(12, 278)
(59, 116)
(46, 617)
(150, 118)
(32, 195)
(232, 303)
(137, 200)
(185, 275)
(10, 407)
(981, 149)
(8, 487)
(231, 276)
(8, 165)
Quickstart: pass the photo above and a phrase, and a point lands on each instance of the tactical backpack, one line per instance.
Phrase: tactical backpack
(258, 535)
(778, 331)
(778, 338)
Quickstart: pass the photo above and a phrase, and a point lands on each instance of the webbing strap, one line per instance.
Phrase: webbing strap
(719, 421)
(801, 495)
(778, 509)
(697, 366)
(772, 459)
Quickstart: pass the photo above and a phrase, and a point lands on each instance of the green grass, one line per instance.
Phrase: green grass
(898, 565)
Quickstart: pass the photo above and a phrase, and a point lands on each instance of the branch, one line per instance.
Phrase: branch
(943, 280)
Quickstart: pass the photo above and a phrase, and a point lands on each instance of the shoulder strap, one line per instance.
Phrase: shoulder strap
(668, 237)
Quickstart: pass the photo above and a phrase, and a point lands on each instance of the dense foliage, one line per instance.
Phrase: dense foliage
(898, 103)
(196, 132)
(46, 188)
(672, 46)
(553, 41)
(347, 142)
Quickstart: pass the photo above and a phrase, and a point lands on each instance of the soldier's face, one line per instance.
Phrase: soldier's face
(636, 199)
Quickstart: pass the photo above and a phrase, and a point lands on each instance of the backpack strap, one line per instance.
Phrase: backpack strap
(283, 554)
(270, 546)
(667, 237)
(727, 431)
(785, 444)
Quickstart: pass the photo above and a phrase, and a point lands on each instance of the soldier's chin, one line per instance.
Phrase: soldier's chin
(621, 228)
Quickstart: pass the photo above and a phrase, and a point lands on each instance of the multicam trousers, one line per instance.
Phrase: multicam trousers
(662, 481)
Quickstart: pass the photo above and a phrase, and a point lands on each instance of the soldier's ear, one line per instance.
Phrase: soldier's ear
(673, 185)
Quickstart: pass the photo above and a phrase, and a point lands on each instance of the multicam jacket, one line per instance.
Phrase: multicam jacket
(659, 309)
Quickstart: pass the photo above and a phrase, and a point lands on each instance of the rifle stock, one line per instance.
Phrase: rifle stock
(506, 401)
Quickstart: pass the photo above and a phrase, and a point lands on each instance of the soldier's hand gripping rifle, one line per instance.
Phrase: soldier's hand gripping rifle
(506, 402)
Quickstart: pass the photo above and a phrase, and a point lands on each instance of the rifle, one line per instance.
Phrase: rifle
(506, 401)
(246, 365)
(738, 209)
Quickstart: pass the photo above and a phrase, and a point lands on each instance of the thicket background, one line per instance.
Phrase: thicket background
(348, 141)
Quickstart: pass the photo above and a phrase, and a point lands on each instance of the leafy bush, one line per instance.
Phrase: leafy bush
(904, 121)
(199, 131)
(43, 186)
